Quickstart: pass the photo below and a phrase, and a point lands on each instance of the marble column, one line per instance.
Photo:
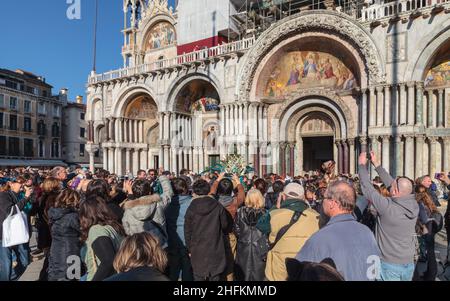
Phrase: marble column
(191, 158)
(166, 157)
(135, 166)
(364, 112)
(374, 144)
(419, 104)
(205, 156)
(340, 161)
(160, 157)
(385, 154)
(119, 130)
(201, 163)
(380, 105)
(226, 120)
(111, 165)
(420, 140)
(119, 161)
(351, 143)
(299, 157)
(232, 119)
(105, 158)
(186, 158)
(363, 142)
(430, 98)
(125, 130)
(127, 160)
(130, 131)
(446, 154)
(275, 157)
(240, 117)
(387, 106)
(92, 162)
(433, 155)
(195, 161)
(174, 167)
(403, 101)
(166, 127)
(292, 159)
(411, 103)
(346, 157)
(245, 119)
(113, 129)
(409, 156)
(373, 107)
(440, 109)
(161, 126)
(398, 156)
(143, 155)
(108, 133)
(260, 123)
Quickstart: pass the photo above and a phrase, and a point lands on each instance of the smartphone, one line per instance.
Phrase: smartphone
(437, 176)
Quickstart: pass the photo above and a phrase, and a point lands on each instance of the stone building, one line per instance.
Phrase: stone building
(30, 120)
(287, 84)
(74, 135)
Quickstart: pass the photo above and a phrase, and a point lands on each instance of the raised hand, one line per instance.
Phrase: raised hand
(362, 160)
(375, 161)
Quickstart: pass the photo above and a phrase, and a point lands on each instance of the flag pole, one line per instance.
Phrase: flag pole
(95, 37)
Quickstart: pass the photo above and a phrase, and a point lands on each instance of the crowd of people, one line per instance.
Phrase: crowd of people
(157, 226)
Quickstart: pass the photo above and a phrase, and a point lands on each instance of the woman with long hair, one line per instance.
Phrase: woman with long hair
(50, 190)
(427, 229)
(102, 189)
(102, 234)
(140, 258)
(65, 231)
(252, 244)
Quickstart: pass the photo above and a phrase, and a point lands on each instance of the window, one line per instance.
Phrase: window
(56, 111)
(41, 148)
(13, 103)
(27, 124)
(97, 154)
(41, 128)
(2, 100)
(13, 122)
(2, 146)
(55, 148)
(82, 115)
(14, 147)
(55, 130)
(81, 150)
(82, 132)
(44, 93)
(1, 120)
(28, 147)
(27, 106)
(41, 108)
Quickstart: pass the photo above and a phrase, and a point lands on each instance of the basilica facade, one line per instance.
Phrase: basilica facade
(321, 83)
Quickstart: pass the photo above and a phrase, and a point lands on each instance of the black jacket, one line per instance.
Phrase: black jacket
(206, 228)
(65, 231)
(8, 200)
(252, 246)
(139, 274)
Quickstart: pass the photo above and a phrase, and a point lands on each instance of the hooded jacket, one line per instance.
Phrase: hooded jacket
(146, 214)
(65, 231)
(206, 228)
(396, 219)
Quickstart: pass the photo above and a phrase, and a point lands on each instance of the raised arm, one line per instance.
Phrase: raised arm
(167, 190)
(384, 175)
(379, 202)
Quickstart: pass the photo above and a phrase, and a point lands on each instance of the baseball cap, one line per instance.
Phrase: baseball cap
(294, 190)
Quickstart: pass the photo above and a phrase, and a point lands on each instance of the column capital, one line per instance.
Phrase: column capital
(351, 141)
(338, 142)
(446, 139)
(409, 137)
(419, 85)
(433, 139)
(380, 89)
(402, 85)
(385, 138)
(440, 92)
(398, 139)
(363, 140)
(420, 138)
(364, 91)
(410, 84)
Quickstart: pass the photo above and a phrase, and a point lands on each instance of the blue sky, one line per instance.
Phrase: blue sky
(38, 37)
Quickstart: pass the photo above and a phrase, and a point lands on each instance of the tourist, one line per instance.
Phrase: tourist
(65, 231)
(101, 234)
(179, 261)
(145, 212)
(50, 190)
(342, 236)
(396, 220)
(272, 197)
(252, 244)
(288, 225)
(446, 180)
(60, 173)
(140, 258)
(100, 188)
(141, 175)
(8, 199)
(312, 271)
(206, 229)
(427, 182)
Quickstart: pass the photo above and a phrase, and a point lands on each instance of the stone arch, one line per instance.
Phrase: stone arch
(321, 97)
(177, 86)
(143, 38)
(425, 51)
(127, 95)
(338, 23)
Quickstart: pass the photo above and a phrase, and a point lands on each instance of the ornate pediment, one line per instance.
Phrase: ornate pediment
(154, 8)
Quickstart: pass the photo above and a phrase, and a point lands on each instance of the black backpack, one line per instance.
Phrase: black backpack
(438, 221)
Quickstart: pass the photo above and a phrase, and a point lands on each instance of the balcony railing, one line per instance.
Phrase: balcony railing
(188, 58)
(396, 8)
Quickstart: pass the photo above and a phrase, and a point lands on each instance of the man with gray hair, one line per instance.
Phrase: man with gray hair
(60, 173)
(396, 220)
(348, 243)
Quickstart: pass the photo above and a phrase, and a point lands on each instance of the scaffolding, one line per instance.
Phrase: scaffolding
(252, 17)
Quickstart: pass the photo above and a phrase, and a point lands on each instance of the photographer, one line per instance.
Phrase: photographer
(396, 220)
(446, 179)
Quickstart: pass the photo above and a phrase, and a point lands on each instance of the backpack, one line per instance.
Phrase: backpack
(438, 221)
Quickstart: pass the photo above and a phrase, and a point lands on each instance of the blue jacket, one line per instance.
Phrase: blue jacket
(350, 245)
(175, 213)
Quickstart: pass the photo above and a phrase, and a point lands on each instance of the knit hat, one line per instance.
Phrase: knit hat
(294, 190)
